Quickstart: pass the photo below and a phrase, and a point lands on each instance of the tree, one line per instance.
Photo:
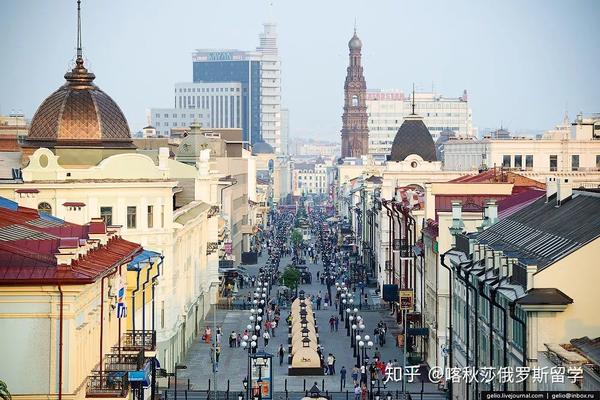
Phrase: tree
(4, 393)
(297, 237)
(290, 277)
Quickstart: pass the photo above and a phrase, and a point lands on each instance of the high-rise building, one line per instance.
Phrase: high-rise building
(386, 110)
(270, 88)
(214, 105)
(258, 73)
(355, 133)
(234, 66)
(285, 131)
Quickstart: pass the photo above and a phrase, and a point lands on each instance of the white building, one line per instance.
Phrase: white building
(309, 178)
(387, 108)
(560, 150)
(285, 131)
(214, 105)
(270, 88)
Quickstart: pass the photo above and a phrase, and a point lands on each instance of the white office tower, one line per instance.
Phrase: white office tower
(285, 131)
(388, 108)
(270, 88)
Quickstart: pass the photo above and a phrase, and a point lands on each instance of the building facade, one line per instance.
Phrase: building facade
(270, 89)
(565, 151)
(387, 109)
(522, 289)
(355, 132)
(309, 178)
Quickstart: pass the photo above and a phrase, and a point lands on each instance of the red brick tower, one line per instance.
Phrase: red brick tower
(355, 133)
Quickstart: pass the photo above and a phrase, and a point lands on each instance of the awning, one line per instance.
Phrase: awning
(143, 258)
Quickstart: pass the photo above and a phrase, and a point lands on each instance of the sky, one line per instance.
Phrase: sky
(523, 63)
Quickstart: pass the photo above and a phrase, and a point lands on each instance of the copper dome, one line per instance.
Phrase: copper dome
(79, 113)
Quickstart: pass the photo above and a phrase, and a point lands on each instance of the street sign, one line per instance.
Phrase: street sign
(406, 299)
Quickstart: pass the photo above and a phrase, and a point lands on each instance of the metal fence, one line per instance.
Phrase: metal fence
(169, 394)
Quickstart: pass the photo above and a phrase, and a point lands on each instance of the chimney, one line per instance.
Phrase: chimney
(564, 191)
(457, 222)
(492, 213)
(550, 188)
(63, 258)
(531, 269)
(163, 157)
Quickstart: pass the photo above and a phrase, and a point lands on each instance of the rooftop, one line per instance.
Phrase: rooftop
(31, 243)
(546, 233)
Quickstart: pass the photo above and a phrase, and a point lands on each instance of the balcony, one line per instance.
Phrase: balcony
(123, 362)
(107, 384)
(139, 340)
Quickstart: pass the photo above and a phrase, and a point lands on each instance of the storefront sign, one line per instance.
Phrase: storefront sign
(406, 299)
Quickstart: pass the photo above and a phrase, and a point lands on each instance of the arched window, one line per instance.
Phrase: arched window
(45, 208)
(355, 101)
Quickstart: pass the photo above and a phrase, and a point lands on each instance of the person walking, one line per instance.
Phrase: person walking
(355, 376)
(232, 339)
(357, 392)
(336, 322)
(280, 352)
(343, 378)
(266, 338)
(207, 335)
(330, 364)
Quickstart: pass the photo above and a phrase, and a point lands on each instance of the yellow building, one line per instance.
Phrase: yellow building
(66, 323)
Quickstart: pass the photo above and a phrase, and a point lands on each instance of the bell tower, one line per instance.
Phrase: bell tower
(355, 133)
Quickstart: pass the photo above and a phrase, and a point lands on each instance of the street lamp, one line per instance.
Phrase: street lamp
(178, 367)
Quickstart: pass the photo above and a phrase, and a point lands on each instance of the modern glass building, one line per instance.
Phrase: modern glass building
(235, 66)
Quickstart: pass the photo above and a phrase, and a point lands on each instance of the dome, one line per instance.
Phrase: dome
(355, 43)
(413, 137)
(79, 114)
(262, 148)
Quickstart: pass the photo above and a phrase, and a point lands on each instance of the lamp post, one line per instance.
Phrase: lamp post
(177, 367)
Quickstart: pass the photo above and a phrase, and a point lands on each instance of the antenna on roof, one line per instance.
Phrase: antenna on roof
(413, 99)
(355, 25)
(79, 51)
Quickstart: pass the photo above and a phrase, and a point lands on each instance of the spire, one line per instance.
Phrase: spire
(79, 50)
(79, 75)
(354, 26)
(413, 100)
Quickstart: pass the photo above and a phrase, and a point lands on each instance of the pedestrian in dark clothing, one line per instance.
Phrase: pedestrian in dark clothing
(337, 323)
(343, 378)
(280, 352)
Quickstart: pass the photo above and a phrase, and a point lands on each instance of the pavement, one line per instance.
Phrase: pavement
(233, 363)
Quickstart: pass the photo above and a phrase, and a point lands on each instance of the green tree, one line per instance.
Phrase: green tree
(297, 237)
(4, 393)
(290, 277)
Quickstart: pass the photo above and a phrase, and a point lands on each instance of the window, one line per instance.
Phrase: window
(106, 214)
(575, 162)
(150, 216)
(553, 162)
(506, 161)
(174, 115)
(162, 216)
(166, 115)
(131, 217)
(162, 314)
(598, 161)
(529, 161)
(518, 161)
(45, 208)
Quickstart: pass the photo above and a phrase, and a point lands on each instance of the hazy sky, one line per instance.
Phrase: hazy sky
(522, 62)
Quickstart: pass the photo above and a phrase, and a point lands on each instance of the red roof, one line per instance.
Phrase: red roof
(29, 242)
(27, 191)
(73, 204)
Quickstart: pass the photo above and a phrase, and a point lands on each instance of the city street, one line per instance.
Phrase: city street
(233, 361)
